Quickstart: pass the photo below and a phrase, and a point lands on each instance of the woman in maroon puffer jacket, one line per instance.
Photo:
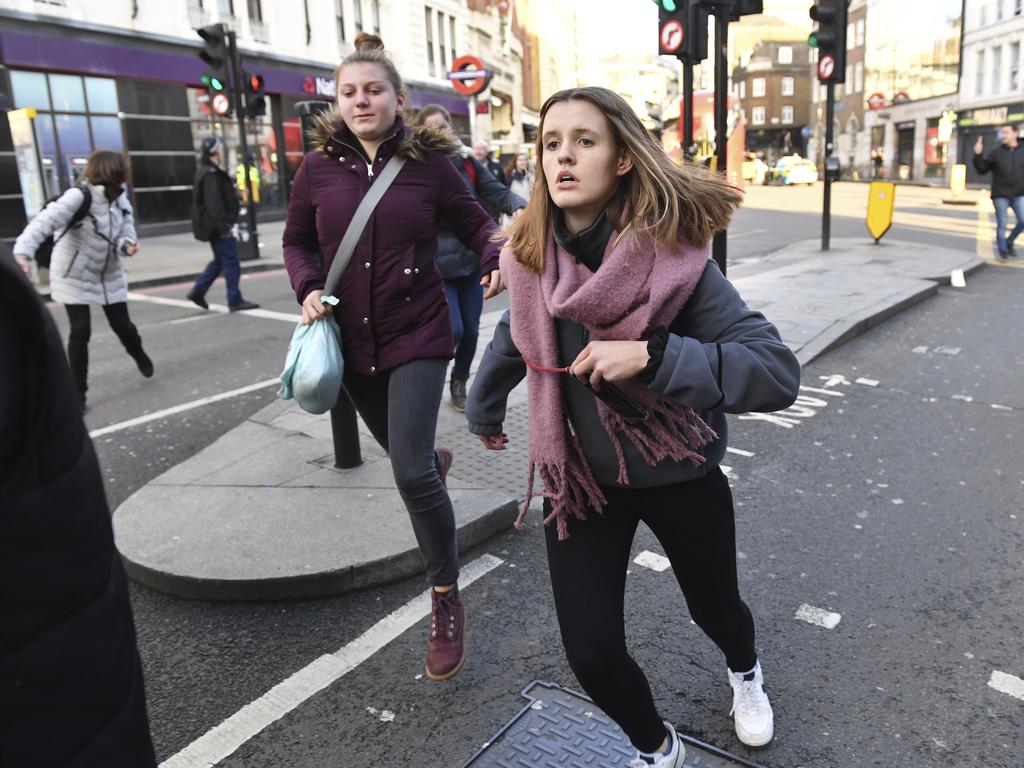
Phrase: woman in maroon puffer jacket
(395, 327)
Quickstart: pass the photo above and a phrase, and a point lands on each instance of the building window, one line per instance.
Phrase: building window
(999, 10)
(757, 87)
(858, 77)
(849, 78)
(982, 17)
(375, 11)
(995, 86)
(255, 10)
(979, 73)
(451, 38)
(440, 42)
(860, 32)
(787, 115)
(850, 39)
(757, 115)
(357, 15)
(226, 7)
(1014, 67)
(195, 5)
(431, 65)
(1018, 7)
(743, 89)
(785, 54)
(788, 86)
(339, 10)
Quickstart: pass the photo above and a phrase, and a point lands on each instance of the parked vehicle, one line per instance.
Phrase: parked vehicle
(793, 169)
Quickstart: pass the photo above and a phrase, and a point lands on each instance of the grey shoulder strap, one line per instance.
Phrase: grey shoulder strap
(359, 220)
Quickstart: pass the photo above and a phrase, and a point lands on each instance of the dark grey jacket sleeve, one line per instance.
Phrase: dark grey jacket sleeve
(501, 369)
(494, 193)
(723, 356)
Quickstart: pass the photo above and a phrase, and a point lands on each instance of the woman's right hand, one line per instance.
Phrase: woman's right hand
(25, 262)
(494, 442)
(313, 308)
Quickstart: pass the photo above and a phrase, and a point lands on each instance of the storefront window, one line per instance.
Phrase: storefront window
(30, 90)
(101, 94)
(106, 133)
(67, 93)
(934, 151)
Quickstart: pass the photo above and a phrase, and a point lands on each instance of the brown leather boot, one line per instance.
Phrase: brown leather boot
(446, 649)
(443, 457)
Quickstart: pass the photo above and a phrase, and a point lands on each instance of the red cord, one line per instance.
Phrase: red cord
(542, 369)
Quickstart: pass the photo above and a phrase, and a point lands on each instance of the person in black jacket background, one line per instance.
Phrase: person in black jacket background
(214, 213)
(71, 688)
(459, 265)
(1006, 162)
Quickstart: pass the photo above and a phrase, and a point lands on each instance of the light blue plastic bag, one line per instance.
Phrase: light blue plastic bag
(313, 366)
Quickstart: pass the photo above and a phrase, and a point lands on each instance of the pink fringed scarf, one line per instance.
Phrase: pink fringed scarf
(639, 288)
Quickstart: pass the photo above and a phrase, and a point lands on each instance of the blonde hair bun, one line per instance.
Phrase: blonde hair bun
(365, 42)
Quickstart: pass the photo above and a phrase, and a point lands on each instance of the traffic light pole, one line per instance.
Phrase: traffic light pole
(688, 152)
(718, 248)
(826, 209)
(237, 88)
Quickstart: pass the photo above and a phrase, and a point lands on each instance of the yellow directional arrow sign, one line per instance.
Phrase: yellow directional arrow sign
(881, 205)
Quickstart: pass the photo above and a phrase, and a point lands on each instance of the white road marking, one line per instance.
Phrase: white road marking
(867, 382)
(1008, 684)
(1001, 407)
(653, 560)
(833, 392)
(739, 452)
(224, 739)
(819, 617)
(183, 407)
(192, 319)
(726, 469)
(221, 308)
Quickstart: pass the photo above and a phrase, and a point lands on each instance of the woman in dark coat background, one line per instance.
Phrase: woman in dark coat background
(395, 325)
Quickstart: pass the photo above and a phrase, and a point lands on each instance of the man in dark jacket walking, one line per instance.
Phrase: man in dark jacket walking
(1006, 162)
(214, 214)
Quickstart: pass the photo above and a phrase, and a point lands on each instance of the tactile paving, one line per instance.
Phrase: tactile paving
(560, 728)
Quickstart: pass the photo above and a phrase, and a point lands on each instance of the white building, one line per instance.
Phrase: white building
(991, 89)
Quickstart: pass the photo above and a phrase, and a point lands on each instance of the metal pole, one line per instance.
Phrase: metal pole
(252, 250)
(687, 109)
(344, 426)
(472, 120)
(826, 211)
(718, 248)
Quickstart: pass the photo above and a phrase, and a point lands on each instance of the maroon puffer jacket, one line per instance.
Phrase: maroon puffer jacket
(392, 306)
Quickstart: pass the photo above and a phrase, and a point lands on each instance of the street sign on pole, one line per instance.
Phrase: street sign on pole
(826, 66)
(672, 36)
(469, 76)
(881, 205)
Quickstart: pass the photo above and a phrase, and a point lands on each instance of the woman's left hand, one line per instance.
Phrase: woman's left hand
(131, 248)
(494, 284)
(609, 361)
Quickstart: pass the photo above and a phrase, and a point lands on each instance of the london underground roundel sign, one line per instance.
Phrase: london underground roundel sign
(468, 75)
(876, 100)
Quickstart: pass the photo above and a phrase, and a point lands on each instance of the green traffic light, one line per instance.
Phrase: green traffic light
(668, 5)
(212, 82)
(812, 40)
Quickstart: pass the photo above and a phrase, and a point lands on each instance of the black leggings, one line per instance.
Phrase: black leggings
(81, 329)
(695, 525)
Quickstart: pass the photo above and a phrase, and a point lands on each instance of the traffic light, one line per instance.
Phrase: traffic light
(745, 8)
(683, 30)
(255, 101)
(830, 39)
(216, 79)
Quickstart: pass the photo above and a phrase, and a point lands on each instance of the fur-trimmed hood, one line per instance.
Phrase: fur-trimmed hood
(415, 145)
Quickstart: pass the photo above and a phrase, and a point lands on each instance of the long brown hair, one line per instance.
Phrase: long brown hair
(369, 49)
(106, 168)
(665, 202)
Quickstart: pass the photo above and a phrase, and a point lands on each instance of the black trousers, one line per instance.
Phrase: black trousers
(81, 330)
(695, 524)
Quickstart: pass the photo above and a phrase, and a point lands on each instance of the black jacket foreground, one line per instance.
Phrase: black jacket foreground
(71, 692)
(1007, 166)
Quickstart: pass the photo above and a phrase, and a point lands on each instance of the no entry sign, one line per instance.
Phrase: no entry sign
(220, 103)
(826, 66)
(672, 36)
(468, 75)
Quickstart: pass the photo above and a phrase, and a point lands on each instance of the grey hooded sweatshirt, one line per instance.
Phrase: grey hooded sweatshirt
(719, 357)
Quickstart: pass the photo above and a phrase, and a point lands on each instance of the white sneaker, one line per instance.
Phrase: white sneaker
(751, 709)
(672, 759)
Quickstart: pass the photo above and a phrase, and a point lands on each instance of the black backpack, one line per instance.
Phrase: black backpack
(45, 249)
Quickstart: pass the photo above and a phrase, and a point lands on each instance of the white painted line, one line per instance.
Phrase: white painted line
(819, 617)
(183, 407)
(999, 407)
(739, 452)
(726, 469)
(867, 382)
(818, 390)
(222, 741)
(1008, 684)
(221, 308)
(653, 560)
(192, 319)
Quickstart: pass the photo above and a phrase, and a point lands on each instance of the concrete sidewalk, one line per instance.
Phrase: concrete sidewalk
(262, 513)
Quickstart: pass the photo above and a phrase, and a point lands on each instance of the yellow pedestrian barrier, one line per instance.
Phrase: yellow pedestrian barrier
(881, 206)
(958, 179)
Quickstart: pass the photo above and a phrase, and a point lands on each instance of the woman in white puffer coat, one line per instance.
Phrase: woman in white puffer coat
(85, 266)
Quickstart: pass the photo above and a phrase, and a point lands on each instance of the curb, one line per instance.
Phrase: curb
(372, 573)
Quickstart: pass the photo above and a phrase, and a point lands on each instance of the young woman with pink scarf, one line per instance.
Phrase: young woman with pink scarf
(634, 346)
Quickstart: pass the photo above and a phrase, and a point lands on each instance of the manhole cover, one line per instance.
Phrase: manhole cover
(563, 729)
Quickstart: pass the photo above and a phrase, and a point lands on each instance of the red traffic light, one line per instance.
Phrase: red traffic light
(254, 82)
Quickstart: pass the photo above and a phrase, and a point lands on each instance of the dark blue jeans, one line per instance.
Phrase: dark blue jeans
(1003, 205)
(465, 302)
(225, 259)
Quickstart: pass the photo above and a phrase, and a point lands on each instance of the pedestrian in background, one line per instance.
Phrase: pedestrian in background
(395, 325)
(609, 281)
(1006, 163)
(71, 687)
(214, 214)
(520, 176)
(459, 265)
(85, 266)
(483, 155)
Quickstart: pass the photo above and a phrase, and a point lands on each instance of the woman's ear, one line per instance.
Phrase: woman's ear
(625, 164)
